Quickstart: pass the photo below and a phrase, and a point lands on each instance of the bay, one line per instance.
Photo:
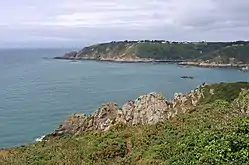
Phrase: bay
(37, 93)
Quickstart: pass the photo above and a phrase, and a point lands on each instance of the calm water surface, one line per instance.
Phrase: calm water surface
(37, 94)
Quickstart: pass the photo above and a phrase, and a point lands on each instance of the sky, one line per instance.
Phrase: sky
(76, 23)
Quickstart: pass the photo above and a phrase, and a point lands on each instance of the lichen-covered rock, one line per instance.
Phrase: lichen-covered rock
(100, 120)
(184, 103)
(147, 109)
(71, 125)
(103, 118)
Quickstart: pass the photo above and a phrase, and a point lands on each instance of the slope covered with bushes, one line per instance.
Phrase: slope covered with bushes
(219, 52)
(216, 131)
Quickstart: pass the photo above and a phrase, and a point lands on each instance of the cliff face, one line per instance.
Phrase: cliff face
(147, 109)
(106, 51)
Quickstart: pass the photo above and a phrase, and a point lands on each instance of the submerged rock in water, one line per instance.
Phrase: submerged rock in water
(187, 77)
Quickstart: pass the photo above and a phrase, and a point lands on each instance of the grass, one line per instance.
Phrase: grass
(223, 91)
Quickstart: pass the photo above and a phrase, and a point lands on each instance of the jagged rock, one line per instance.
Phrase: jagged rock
(104, 117)
(100, 120)
(184, 103)
(71, 125)
(147, 109)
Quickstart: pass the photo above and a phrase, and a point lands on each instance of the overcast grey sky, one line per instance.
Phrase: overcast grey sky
(74, 23)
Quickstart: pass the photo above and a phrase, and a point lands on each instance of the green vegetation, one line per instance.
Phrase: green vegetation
(167, 51)
(230, 54)
(220, 52)
(216, 132)
(110, 50)
(223, 91)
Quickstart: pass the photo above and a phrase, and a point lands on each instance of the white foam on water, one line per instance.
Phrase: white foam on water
(39, 139)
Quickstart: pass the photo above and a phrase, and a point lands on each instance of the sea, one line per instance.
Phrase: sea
(38, 92)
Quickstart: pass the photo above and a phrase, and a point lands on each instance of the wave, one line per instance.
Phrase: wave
(39, 139)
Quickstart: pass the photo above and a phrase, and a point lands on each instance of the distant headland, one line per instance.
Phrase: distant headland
(203, 54)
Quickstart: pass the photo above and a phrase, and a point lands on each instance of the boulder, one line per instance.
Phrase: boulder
(147, 109)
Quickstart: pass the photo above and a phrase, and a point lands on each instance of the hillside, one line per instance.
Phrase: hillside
(230, 54)
(219, 52)
(209, 125)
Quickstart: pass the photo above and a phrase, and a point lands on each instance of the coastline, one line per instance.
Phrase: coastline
(178, 62)
(212, 65)
(121, 60)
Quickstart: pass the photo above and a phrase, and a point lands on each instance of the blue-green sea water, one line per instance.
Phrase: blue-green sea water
(37, 94)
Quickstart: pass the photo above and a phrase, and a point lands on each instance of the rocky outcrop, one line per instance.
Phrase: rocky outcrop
(72, 125)
(100, 120)
(146, 109)
(213, 64)
(70, 56)
(184, 103)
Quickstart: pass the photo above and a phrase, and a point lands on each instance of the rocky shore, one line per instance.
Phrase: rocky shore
(74, 56)
(212, 65)
(120, 60)
(146, 109)
(150, 60)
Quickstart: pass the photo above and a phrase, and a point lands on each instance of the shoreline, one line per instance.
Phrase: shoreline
(178, 62)
(121, 60)
(212, 65)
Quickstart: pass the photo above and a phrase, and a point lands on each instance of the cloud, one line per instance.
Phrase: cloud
(68, 22)
(106, 14)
